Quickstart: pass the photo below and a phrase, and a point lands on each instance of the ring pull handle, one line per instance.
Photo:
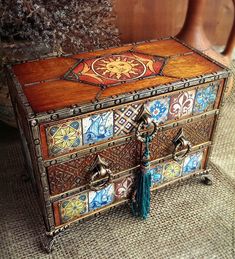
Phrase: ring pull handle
(181, 141)
(99, 169)
(145, 121)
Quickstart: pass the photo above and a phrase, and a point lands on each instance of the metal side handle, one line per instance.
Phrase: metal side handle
(180, 141)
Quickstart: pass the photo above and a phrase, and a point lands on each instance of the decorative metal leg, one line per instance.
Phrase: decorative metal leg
(48, 243)
(207, 179)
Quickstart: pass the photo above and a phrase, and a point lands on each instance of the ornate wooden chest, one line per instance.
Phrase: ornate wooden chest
(82, 118)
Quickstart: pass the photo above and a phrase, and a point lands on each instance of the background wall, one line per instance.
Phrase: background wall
(148, 19)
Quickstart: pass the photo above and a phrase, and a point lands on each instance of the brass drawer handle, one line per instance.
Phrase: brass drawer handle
(99, 169)
(145, 121)
(181, 141)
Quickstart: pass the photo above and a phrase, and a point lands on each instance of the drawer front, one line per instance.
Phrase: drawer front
(74, 173)
(196, 133)
(86, 203)
(80, 132)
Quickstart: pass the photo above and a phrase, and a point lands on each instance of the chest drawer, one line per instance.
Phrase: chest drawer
(195, 133)
(75, 173)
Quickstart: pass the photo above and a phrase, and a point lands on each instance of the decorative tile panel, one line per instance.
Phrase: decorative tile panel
(205, 98)
(101, 198)
(192, 162)
(73, 208)
(114, 69)
(156, 175)
(123, 187)
(124, 119)
(97, 127)
(159, 109)
(181, 104)
(64, 137)
(171, 170)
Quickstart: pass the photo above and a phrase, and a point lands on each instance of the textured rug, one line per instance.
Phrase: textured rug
(188, 220)
(223, 154)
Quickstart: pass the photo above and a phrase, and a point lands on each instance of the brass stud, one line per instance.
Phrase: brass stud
(33, 123)
(54, 116)
(36, 141)
(53, 162)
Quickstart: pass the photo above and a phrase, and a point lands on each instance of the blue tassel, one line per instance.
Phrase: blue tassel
(140, 203)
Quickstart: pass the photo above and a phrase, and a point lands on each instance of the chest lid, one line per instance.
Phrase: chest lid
(88, 81)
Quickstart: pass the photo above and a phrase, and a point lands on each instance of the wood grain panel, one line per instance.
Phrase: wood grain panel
(189, 66)
(43, 69)
(59, 94)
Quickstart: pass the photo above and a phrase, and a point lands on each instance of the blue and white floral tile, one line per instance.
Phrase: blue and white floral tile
(74, 207)
(171, 170)
(156, 175)
(205, 98)
(192, 163)
(123, 187)
(181, 105)
(64, 137)
(101, 198)
(97, 127)
(159, 109)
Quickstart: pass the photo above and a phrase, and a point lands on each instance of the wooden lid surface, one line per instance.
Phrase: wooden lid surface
(55, 83)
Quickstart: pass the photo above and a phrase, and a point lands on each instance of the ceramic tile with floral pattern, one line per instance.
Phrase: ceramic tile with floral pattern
(205, 98)
(74, 207)
(159, 109)
(171, 170)
(64, 137)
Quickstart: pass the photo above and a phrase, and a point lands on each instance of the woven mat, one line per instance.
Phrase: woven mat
(223, 154)
(188, 220)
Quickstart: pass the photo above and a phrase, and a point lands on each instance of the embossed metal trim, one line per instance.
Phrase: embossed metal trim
(218, 117)
(43, 175)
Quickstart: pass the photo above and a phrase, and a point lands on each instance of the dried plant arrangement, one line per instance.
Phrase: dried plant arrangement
(66, 26)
